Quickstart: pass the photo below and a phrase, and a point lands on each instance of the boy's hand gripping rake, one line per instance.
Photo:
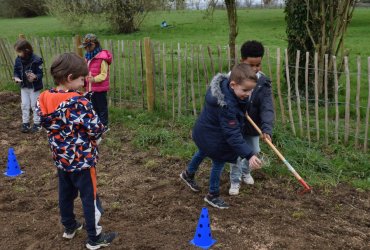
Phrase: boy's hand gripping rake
(291, 169)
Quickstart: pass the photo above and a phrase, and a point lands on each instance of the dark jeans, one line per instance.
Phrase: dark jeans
(100, 104)
(84, 181)
(216, 171)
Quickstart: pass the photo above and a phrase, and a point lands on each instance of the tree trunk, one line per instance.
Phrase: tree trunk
(233, 32)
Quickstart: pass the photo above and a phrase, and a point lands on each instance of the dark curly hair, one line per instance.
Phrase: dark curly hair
(252, 49)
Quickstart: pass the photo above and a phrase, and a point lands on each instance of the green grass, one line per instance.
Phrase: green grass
(319, 165)
(266, 25)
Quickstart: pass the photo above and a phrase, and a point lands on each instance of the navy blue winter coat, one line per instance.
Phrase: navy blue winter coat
(260, 107)
(218, 130)
(33, 63)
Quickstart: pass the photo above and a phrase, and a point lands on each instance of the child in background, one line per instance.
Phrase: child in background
(28, 74)
(98, 61)
(73, 130)
(260, 108)
(218, 130)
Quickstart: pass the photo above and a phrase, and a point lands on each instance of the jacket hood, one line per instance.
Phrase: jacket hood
(217, 89)
(105, 55)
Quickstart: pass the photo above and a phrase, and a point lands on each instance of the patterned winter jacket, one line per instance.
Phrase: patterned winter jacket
(73, 128)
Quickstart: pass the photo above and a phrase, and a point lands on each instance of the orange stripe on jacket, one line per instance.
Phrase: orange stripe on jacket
(50, 101)
(93, 179)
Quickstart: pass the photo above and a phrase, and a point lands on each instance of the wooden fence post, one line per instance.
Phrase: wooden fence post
(307, 106)
(77, 42)
(270, 75)
(348, 96)
(336, 86)
(282, 111)
(297, 92)
(289, 95)
(368, 107)
(326, 99)
(179, 86)
(149, 74)
(316, 63)
(358, 115)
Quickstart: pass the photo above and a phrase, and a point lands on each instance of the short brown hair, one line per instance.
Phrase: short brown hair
(24, 46)
(242, 72)
(66, 64)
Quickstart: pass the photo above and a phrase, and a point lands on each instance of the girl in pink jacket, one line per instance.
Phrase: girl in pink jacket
(98, 61)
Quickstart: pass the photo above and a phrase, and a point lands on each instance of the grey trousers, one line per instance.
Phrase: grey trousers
(241, 167)
(29, 99)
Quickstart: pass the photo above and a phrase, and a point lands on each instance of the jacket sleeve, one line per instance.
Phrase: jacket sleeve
(267, 114)
(38, 69)
(17, 69)
(90, 120)
(232, 132)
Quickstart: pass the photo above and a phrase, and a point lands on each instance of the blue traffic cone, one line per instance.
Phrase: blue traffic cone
(12, 168)
(203, 237)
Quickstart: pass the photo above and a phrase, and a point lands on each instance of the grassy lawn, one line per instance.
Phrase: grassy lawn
(266, 25)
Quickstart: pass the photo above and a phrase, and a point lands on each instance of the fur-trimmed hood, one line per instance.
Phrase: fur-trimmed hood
(217, 88)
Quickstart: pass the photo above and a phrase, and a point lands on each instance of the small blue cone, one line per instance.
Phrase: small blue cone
(203, 237)
(12, 168)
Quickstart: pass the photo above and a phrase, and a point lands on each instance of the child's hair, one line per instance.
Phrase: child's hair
(23, 46)
(252, 49)
(242, 72)
(66, 64)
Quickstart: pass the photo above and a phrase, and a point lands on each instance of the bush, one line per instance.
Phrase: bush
(22, 8)
(123, 16)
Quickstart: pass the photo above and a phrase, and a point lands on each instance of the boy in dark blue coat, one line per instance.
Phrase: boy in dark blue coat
(218, 130)
(260, 108)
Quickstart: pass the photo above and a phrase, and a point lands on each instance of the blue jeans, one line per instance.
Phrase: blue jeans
(214, 179)
(241, 168)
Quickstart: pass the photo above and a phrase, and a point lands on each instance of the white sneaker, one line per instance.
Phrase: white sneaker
(234, 188)
(248, 179)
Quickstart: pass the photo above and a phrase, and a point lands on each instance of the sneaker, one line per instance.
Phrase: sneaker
(25, 128)
(189, 181)
(234, 188)
(103, 241)
(248, 179)
(216, 201)
(36, 128)
(69, 233)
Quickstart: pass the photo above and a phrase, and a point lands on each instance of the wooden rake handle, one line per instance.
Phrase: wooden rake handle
(272, 146)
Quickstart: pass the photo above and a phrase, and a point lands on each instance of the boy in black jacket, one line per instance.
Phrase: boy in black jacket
(260, 109)
(218, 132)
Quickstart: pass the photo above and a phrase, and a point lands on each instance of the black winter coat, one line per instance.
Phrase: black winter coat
(260, 107)
(218, 130)
(34, 63)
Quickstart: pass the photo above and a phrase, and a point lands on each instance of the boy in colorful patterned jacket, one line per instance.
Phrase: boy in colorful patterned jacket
(73, 130)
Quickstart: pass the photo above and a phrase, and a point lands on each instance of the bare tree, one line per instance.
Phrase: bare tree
(332, 18)
(318, 26)
(233, 28)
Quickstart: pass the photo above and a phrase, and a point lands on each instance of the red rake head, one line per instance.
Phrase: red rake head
(307, 189)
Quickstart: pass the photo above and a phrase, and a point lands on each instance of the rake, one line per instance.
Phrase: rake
(272, 146)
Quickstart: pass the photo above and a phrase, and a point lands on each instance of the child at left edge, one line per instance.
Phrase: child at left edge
(74, 130)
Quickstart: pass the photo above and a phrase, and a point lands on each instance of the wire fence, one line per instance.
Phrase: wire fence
(174, 78)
